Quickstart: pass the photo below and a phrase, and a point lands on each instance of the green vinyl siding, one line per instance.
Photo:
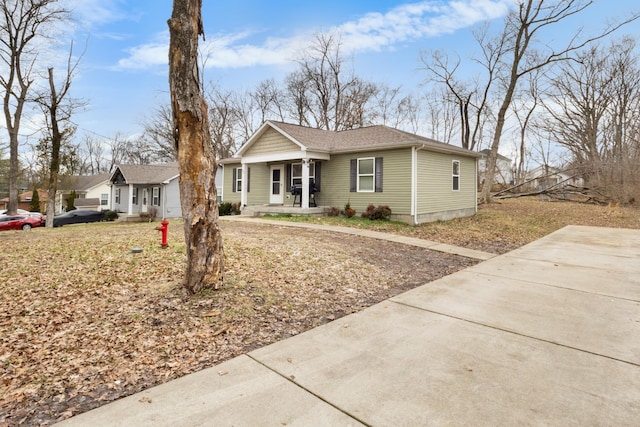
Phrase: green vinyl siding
(271, 142)
(258, 184)
(396, 182)
(435, 184)
(227, 184)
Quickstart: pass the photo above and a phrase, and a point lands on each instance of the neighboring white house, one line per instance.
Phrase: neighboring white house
(92, 192)
(137, 189)
(504, 169)
(545, 176)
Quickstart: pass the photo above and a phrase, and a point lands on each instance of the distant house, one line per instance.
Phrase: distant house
(283, 165)
(504, 169)
(24, 200)
(137, 189)
(545, 176)
(92, 192)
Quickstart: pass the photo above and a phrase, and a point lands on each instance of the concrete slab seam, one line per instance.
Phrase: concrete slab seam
(288, 379)
(516, 333)
(549, 285)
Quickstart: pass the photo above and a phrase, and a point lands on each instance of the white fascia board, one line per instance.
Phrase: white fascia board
(291, 155)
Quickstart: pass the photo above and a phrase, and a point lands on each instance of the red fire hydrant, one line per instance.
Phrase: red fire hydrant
(164, 228)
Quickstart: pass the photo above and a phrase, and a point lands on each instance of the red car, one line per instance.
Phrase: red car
(19, 222)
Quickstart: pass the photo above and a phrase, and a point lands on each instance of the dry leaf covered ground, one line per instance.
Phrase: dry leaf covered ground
(85, 321)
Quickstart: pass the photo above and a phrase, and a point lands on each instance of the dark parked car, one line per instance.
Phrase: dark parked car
(19, 222)
(77, 217)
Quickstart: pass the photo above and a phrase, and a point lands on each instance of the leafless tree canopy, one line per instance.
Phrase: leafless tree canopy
(22, 23)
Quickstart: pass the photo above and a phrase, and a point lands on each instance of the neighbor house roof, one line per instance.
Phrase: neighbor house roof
(353, 140)
(147, 174)
(486, 152)
(27, 196)
(84, 182)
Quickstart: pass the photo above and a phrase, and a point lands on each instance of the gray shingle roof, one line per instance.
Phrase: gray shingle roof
(149, 174)
(84, 182)
(361, 139)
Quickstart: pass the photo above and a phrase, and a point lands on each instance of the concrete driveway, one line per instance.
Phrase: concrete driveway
(548, 334)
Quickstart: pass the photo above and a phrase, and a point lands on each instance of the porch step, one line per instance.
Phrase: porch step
(280, 210)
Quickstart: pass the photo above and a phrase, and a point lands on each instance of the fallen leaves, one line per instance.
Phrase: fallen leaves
(85, 321)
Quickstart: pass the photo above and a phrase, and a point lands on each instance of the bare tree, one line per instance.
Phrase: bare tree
(325, 95)
(58, 108)
(470, 97)
(524, 109)
(196, 157)
(158, 134)
(22, 23)
(594, 111)
(521, 29)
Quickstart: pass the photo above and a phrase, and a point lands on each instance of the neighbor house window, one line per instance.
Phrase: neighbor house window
(117, 196)
(296, 173)
(455, 174)
(155, 196)
(134, 196)
(104, 199)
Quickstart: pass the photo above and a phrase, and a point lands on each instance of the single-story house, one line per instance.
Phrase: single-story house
(545, 176)
(283, 165)
(504, 168)
(92, 192)
(137, 189)
(24, 200)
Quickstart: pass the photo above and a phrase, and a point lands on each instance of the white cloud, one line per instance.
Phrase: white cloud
(372, 32)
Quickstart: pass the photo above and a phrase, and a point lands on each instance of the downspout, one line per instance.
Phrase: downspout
(476, 211)
(414, 183)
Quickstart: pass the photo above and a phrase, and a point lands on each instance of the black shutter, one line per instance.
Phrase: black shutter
(248, 179)
(233, 184)
(288, 178)
(378, 174)
(353, 175)
(317, 179)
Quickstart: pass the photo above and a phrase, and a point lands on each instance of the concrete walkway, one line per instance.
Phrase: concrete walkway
(413, 241)
(548, 334)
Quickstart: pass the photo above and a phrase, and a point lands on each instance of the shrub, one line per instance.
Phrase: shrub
(225, 208)
(110, 215)
(235, 208)
(70, 199)
(348, 210)
(35, 201)
(333, 212)
(380, 213)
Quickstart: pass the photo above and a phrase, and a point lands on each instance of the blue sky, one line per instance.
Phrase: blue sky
(123, 73)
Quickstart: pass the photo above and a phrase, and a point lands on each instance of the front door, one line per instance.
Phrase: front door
(276, 196)
(145, 200)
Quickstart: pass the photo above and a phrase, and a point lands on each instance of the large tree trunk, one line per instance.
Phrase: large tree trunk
(196, 158)
(56, 142)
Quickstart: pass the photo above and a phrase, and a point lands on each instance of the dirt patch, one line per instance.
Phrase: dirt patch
(85, 321)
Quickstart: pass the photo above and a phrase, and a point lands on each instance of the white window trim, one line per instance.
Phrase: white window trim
(239, 180)
(134, 196)
(311, 175)
(117, 196)
(372, 175)
(104, 199)
(453, 175)
(155, 196)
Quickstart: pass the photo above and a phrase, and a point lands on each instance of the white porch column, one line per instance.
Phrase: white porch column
(245, 181)
(305, 184)
(130, 203)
